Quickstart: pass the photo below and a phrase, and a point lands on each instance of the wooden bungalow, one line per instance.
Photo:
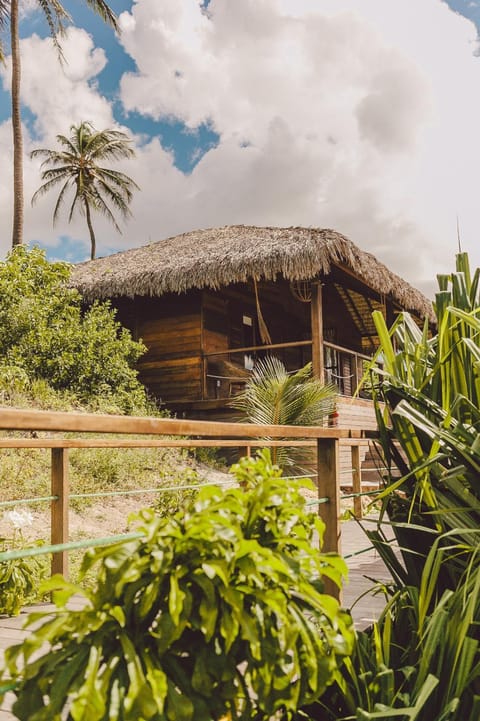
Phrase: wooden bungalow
(208, 303)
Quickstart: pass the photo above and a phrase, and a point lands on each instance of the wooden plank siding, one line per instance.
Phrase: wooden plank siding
(355, 413)
(169, 380)
(171, 328)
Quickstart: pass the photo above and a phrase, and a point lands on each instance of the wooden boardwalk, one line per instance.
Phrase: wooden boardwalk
(361, 567)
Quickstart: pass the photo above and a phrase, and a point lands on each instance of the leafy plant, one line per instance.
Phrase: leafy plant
(273, 396)
(19, 578)
(421, 660)
(429, 388)
(215, 612)
(46, 337)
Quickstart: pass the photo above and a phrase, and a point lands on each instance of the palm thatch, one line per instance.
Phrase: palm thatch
(217, 257)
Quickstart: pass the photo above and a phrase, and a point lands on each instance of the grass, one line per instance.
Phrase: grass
(25, 473)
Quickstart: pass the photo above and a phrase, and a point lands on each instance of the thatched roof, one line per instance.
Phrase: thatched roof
(219, 256)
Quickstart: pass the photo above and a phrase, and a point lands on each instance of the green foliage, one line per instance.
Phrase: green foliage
(273, 396)
(47, 338)
(218, 611)
(19, 578)
(421, 660)
(429, 428)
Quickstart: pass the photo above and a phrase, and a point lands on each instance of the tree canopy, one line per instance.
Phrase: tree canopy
(77, 168)
(46, 334)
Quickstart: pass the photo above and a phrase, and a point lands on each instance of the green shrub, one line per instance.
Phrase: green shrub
(427, 399)
(47, 337)
(421, 660)
(217, 611)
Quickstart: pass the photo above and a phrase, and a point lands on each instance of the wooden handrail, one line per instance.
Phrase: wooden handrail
(279, 346)
(27, 420)
(253, 348)
(151, 443)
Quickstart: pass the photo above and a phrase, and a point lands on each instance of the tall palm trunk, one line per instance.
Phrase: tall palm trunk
(17, 234)
(93, 244)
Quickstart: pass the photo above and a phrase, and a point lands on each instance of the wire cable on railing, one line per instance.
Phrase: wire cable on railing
(368, 548)
(9, 687)
(70, 546)
(169, 489)
(303, 475)
(317, 502)
(22, 501)
(361, 493)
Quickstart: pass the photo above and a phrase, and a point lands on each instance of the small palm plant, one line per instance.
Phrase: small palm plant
(76, 167)
(273, 396)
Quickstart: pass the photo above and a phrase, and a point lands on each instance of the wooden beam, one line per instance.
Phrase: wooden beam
(316, 319)
(151, 443)
(29, 420)
(253, 348)
(59, 525)
(328, 485)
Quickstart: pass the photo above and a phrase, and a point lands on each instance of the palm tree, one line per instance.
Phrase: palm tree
(56, 17)
(273, 396)
(76, 167)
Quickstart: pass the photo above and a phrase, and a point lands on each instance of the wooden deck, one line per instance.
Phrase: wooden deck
(360, 566)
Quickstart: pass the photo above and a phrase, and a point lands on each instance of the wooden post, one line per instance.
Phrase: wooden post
(356, 481)
(204, 362)
(316, 320)
(329, 487)
(59, 523)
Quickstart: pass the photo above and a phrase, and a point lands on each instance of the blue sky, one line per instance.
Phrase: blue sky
(187, 146)
(355, 114)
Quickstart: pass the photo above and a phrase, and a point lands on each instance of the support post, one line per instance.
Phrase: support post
(356, 481)
(316, 320)
(329, 487)
(59, 524)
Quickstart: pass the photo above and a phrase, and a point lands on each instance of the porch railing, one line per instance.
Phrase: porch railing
(343, 367)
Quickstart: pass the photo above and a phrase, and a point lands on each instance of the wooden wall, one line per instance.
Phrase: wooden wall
(356, 413)
(170, 327)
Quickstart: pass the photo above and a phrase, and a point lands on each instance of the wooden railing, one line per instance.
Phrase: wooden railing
(165, 432)
(342, 366)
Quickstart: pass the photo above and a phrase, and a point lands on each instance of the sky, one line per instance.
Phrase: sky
(357, 115)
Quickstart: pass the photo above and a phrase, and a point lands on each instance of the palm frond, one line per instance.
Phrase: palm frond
(46, 187)
(60, 200)
(56, 17)
(100, 7)
(4, 18)
(273, 396)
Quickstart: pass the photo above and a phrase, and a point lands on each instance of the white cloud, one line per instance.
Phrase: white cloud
(363, 117)
(60, 94)
(345, 110)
